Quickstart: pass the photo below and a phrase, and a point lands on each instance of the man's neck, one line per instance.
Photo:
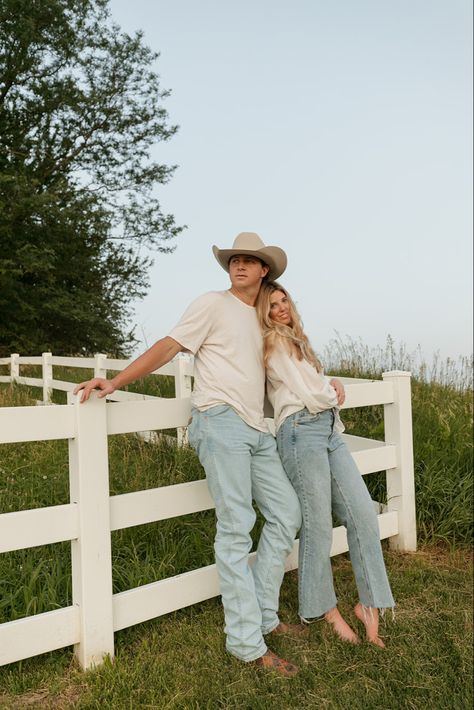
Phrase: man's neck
(248, 296)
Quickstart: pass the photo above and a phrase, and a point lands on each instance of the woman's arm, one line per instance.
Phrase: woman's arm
(283, 368)
(340, 391)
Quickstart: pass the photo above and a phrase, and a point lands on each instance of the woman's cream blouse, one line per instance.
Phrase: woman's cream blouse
(294, 384)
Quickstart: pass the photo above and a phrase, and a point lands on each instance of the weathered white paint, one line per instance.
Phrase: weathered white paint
(39, 526)
(151, 600)
(155, 504)
(62, 385)
(47, 366)
(122, 396)
(37, 634)
(81, 362)
(100, 365)
(36, 423)
(91, 552)
(14, 366)
(30, 381)
(368, 393)
(125, 417)
(401, 479)
(370, 455)
(183, 389)
(25, 360)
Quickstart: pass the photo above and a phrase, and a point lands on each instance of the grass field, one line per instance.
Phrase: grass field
(178, 661)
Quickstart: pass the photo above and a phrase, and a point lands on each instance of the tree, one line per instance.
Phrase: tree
(80, 109)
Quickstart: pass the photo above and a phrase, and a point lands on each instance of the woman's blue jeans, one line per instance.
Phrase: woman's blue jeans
(326, 479)
(242, 463)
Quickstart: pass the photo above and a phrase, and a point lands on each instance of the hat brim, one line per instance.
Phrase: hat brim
(274, 257)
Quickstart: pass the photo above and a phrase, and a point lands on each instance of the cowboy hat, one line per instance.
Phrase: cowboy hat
(251, 244)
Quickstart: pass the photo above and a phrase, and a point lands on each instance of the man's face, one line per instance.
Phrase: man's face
(246, 271)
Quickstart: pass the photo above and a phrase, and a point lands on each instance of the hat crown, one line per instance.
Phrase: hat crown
(251, 244)
(250, 241)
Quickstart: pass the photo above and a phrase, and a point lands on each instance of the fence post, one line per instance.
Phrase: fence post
(401, 480)
(99, 367)
(14, 366)
(47, 377)
(183, 388)
(91, 552)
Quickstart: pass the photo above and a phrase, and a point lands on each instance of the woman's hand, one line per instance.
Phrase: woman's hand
(339, 387)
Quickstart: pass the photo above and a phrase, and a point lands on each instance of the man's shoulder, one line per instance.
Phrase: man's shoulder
(210, 298)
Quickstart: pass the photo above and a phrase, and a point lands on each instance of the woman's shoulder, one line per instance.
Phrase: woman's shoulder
(280, 354)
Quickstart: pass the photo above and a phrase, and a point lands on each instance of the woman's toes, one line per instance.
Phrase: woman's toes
(370, 618)
(377, 641)
(340, 626)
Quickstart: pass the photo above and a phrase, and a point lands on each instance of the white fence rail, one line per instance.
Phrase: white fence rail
(87, 521)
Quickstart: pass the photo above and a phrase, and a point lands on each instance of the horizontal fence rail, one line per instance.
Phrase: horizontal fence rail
(92, 514)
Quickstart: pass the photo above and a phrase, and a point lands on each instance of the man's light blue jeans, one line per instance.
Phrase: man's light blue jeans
(326, 479)
(242, 463)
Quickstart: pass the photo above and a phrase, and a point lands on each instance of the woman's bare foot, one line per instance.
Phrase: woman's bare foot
(340, 626)
(370, 618)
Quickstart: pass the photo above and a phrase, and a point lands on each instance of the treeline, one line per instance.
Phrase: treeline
(80, 109)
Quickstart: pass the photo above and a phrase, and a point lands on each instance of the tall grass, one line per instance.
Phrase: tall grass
(178, 661)
(35, 474)
(442, 409)
(352, 355)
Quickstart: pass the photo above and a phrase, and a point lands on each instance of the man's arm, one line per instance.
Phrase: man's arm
(152, 359)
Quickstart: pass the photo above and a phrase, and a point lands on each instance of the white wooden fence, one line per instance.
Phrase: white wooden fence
(87, 521)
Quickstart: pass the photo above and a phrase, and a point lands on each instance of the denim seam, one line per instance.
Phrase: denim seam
(359, 545)
(268, 581)
(236, 596)
(372, 590)
(303, 501)
(229, 550)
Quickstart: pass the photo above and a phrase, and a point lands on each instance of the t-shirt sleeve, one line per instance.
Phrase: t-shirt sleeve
(195, 324)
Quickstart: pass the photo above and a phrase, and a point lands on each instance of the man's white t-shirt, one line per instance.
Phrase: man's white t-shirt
(223, 334)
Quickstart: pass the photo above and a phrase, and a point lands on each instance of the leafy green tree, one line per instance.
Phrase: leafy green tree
(80, 109)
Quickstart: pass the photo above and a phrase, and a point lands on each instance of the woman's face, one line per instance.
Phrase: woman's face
(280, 308)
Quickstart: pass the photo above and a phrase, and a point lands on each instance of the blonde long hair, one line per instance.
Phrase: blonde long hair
(293, 337)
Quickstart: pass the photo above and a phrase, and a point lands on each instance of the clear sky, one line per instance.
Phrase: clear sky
(340, 130)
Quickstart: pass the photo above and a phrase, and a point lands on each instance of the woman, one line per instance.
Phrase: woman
(321, 470)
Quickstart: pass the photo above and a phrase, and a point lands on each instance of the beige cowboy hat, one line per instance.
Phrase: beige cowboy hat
(251, 244)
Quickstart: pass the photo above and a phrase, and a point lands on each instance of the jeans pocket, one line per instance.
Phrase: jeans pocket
(307, 418)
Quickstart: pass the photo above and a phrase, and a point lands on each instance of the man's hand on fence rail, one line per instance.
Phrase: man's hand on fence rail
(98, 383)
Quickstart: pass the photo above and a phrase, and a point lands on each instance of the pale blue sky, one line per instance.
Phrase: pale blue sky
(338, 130)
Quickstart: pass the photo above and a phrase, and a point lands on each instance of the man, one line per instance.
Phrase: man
(234, 446)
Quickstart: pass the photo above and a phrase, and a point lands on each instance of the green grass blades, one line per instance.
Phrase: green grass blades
(178, 661)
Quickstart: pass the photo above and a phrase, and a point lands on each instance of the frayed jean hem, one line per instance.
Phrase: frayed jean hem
(251, 657)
